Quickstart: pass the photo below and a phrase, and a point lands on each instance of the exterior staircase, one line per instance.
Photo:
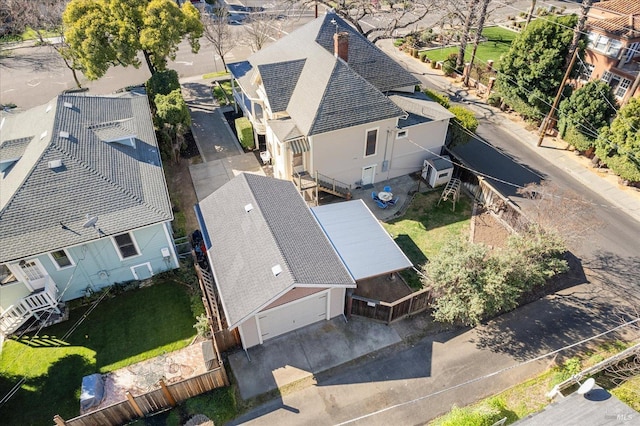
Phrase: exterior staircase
(332, 186)
(44, 300)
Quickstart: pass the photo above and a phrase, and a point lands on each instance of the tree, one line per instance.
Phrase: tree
(173, 120)
(618, 146)
(465, 32)
(471, 283)
(476, 41)
(259, 29)
(587, 110)
(398, 15)
(104, 33)
(462, 126)
(218, 31)
(532, 69)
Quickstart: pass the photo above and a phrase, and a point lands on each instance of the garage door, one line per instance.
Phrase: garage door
(293, 315)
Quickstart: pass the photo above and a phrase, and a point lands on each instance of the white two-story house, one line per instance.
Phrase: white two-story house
(333, 107)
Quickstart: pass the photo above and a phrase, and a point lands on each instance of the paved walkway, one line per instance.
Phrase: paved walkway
(605, 184)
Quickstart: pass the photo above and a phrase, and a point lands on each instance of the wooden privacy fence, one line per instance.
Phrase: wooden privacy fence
(390, 312)
(166, 396)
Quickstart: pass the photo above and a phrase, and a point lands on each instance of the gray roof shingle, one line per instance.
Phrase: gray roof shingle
(279, 80)
(123, 186)
(279, 230)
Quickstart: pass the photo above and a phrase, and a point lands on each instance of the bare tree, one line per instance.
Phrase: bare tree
(470, 16)
(219, 33)
(559, 211)
(260, 28)
(481, 18)
(530, 14)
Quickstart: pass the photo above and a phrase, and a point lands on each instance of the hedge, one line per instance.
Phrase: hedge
(245, 132)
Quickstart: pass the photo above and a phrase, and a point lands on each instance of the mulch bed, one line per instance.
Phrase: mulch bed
(383, 288)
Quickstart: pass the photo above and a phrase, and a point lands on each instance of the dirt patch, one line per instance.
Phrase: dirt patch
(386, 288)
(489, 231)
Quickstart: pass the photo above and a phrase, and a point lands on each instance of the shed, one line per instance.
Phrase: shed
(437, 171)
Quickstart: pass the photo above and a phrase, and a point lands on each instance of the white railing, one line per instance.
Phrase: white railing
(38, 301)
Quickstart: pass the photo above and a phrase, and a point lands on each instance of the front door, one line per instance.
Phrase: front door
(33, 273)
(367, 175)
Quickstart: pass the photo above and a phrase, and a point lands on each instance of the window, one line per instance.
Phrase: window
(622, 87)
(601, 43)
(614, 48)
(606, 76)
(126, 245)
(6, 276)
(372, 142)
(31, 270)
(632, 51)
(61, 259)
(401, 134)
(586, 71)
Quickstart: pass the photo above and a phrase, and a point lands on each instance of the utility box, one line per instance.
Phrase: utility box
(437, 171)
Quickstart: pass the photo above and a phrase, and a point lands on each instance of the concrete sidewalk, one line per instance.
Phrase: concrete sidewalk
(625, 198)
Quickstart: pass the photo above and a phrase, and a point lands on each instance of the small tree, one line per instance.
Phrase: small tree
(259, 29)
(162, 83)
(618, 146)
(587, 110)
(218, 31)
(172, 118)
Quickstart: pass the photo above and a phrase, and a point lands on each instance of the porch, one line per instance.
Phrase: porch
(38, 302)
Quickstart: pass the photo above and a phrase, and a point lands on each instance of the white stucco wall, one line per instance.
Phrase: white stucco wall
(407, 157)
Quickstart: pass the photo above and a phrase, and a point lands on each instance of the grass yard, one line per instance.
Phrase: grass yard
(498, 42)
(130, 327)
(223, 93)
(425, 227)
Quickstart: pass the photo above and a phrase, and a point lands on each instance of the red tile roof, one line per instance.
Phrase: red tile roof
(623, 7)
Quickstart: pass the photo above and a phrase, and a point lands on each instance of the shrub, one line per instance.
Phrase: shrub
(463, 118)
(245, 132)
(573, 137)
(172, 109)
(494, 99)
(398, 42)
(440, 98)
(449, 65)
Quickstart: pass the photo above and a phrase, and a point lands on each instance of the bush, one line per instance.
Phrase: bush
(449, 65)
(494, 99)
(573, 137)
(172, 109)
(162, 83)
(463, 118)
(245, 132)
(398, 42)
(440, 98)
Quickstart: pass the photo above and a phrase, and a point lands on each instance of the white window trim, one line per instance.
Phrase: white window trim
(402, 134)
(135, 243)
(133, 269)
(366, 133)
(55, 263)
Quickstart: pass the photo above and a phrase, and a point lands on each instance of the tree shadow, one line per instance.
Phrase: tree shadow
(583, 307)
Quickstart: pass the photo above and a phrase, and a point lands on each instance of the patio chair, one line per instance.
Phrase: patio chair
(381, 204)
(393, 202)
(374, 196)
(387, 189)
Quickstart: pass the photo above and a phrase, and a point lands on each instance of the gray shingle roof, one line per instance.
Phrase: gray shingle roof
(365, 58)
(326, 93)
(121, 185)
(285, 129)
(279, 80)
(279, 230)
(12, 149)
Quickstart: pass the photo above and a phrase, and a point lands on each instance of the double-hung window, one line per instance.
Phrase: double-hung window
(61, 259)
(126, 245)
(371, 143)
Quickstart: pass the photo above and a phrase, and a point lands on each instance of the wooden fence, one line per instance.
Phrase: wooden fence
(390, 312)
(166, 396)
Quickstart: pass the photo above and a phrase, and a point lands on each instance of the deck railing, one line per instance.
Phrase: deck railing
(42, 300)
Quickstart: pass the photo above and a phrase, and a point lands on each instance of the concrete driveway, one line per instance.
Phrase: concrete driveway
(301, 354)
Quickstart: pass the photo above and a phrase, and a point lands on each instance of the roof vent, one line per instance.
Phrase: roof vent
(64, 134)
(68, 105)
(43, 135)
(248, 207)
(277, 270)
(54, 164)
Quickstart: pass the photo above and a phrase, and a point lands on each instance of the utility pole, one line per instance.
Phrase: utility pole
(556, 101)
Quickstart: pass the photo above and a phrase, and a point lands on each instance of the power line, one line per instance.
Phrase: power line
(489, 375)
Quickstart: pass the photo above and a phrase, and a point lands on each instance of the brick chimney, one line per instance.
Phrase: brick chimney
(341, 45)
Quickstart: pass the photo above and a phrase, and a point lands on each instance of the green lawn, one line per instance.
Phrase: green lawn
(223, 93)
(498, 42)
(130, 327)
(425, 227)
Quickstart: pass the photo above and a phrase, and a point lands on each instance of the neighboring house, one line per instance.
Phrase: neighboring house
(279, 266)
(83, 202)
(329, 103)
(613, 52)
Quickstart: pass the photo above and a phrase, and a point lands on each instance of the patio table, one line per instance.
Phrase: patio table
(385, 196)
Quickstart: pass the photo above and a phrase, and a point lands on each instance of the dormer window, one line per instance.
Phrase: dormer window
(126, 141)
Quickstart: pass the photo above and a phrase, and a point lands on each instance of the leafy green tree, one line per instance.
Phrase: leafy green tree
(171, 109)
(587, 110)
(104, 33)
(471, 283)
(532, 69)
(162, 83)
(618, 146)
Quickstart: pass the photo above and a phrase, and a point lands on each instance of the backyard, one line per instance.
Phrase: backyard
(124, 328)
(497, 42)
(426, 226)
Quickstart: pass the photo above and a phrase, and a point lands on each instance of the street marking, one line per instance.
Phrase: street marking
(8, 90)
(34, 85)
(184, 62)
